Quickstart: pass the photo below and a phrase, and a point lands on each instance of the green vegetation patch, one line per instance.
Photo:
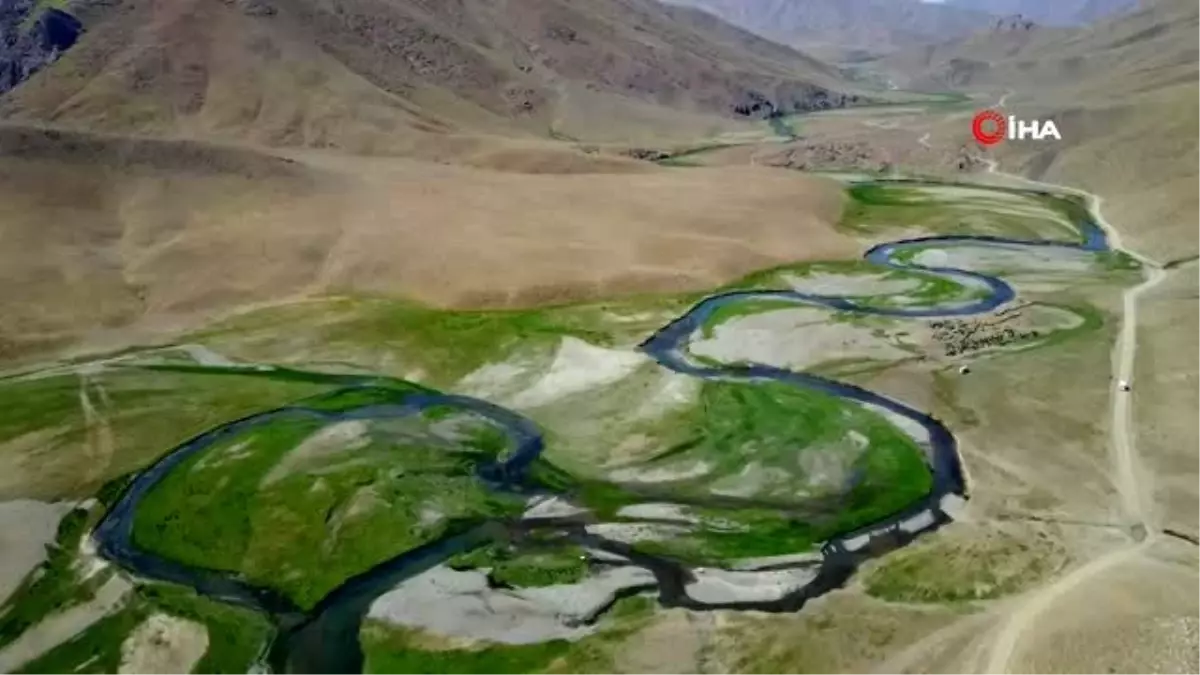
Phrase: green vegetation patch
(920, 288)
(145, 413)
(391, 649)
(358, 397)
(626, 421)
(732, 310)
(55, 584)
(962, 209)
(1117, 261)
(769, 468)
(442, 345)
(933, 291)
(775, 278)
(527, 564)
(809, 444)
(237, 637)
(1093, 319)
(743, 532)
(298, 504)
(96, 650)
(956, 569)
(734, 534)
(32, 405)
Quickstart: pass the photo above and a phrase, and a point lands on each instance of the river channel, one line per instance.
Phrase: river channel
(325, 639)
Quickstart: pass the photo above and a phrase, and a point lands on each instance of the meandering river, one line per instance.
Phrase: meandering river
(325, 639)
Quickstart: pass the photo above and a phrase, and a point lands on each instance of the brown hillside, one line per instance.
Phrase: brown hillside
(190, 157)
(841, 28)
(103, 234)
(1124, 95)
(370, 75)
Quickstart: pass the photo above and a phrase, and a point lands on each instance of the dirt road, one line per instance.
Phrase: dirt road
(1020, 619)
(1135, 496)
(1129, 480)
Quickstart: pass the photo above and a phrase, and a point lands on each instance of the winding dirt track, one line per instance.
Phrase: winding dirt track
(1134, 495)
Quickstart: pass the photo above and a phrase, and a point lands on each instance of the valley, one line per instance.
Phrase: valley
(404, 336)
(524, 483)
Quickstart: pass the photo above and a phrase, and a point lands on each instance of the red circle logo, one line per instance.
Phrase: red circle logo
(989, 127)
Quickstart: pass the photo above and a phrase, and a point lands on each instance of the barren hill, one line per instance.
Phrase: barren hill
(180, 158)
(1123, 93)
(103, 235)
(375, 74)
(839, 27)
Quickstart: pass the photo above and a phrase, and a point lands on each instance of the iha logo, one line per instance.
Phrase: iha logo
(990, 127)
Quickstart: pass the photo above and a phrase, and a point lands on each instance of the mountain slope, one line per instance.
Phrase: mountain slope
(185, 158)
(837, 27)
(366, 74)
(1057, 13)
(1124, 95)
(1127, 94)
(136, 235)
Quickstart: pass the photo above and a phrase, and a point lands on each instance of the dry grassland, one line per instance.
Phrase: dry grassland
(136, 231)
(1166, 403)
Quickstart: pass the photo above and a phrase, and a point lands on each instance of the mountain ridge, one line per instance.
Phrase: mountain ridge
(1124, 94)
(363, 74)
(1059, 13)
(842, 27)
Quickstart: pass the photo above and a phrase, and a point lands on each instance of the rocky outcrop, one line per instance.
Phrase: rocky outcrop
(1017, 22)
(32, 37)
(252, 7)
(647, 154)
(967, 161)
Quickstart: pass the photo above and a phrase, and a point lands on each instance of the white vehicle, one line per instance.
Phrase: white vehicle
(1124, 384)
